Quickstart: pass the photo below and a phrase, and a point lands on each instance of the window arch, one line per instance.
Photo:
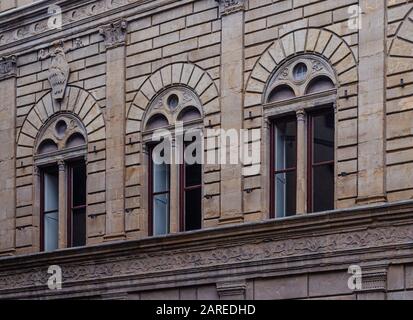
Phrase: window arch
(299, 102)
(60, 152)
(173, 106)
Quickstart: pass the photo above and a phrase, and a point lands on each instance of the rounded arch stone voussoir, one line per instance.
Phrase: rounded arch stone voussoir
(77, 102)
(184, 74)
(310, 40)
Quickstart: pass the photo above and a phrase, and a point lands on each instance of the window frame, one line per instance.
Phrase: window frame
(151, 194)
(182, 191)
(43, 170)
(69, 207)
(310, 153)
(273, 150)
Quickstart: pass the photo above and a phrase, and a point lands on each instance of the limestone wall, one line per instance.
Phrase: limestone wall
(226, 56)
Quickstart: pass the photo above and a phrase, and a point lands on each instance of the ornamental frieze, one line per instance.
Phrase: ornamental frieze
(66, 18)
(186, 259)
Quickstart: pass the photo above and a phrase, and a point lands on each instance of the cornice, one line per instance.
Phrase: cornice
(326, 241)
(75, 14)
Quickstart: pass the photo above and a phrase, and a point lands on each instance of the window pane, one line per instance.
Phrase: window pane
(193, 175)
(79, 185)
(51, 231)
(323, 188)
(51, 208)
(79, 227)
(160, 178)
(285, 194)
(51, 191)
(160, 214)
(193, 214)
(285, 145)
(323, 137)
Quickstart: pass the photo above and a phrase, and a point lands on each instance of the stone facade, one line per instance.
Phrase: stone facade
(105, 68)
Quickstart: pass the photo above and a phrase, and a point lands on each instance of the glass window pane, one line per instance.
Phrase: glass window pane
(161, 214)
(79, 185)
(79, 227)
(323, 137)
(51, 191)
(51, 231)
(285, 145)
(193, 209)
(160, 178)
(193, 175)
(323, 188)
(285, 194)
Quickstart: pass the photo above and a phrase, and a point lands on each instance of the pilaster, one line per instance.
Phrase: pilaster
(8, 153)
(114, 35)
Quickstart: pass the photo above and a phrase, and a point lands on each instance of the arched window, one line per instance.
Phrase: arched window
(299, 104)
(177, 109)
(60, 157)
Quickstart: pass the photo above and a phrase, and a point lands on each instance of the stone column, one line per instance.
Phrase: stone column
(371, 128)
(62, 206)
(301, 163)
(232, 84)
(7, 154)
(114, 35)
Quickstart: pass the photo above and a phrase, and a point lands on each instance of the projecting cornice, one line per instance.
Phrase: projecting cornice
(20, 26)
(326, 241)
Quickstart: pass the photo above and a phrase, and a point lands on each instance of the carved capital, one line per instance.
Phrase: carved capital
(8, 67)
(114, 33)
(300, 114)
(230, 6)
(232, 290)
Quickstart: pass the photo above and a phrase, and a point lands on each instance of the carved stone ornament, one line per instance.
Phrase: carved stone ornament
(7, 67)
(253, 251)
(59, 69)
(114, 33)
(230, 6)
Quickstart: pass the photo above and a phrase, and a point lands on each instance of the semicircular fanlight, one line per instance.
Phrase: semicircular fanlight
(189, 114)
(282, 92)
(156, 122)
(75, 140)
(320, 84)
(47, 146)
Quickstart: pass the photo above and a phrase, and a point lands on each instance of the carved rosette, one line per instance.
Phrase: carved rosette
(230, 6)
(114, 33)
(7, 67)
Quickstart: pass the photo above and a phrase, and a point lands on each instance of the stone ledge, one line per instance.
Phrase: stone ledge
(326, 241)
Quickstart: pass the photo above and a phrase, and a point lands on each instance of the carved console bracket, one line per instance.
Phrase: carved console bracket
(227, 7)
(374, 280)
(232, 290)
(114, 33)
(8, 67)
